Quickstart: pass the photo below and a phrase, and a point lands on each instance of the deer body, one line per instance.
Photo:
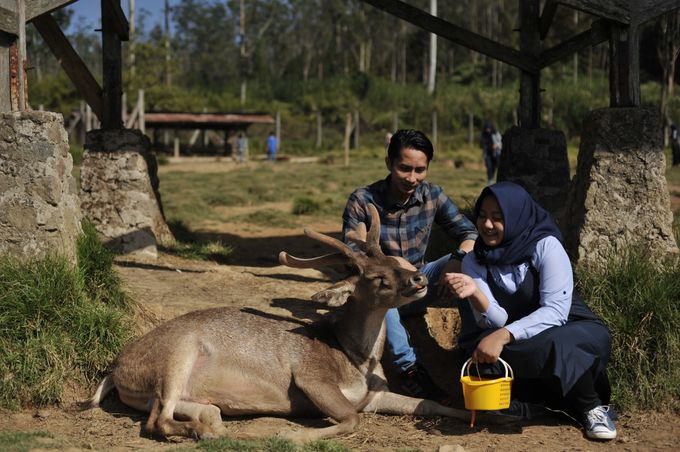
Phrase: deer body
(191, 370)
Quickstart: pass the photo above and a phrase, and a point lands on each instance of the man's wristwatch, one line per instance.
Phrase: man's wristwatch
(458, 255)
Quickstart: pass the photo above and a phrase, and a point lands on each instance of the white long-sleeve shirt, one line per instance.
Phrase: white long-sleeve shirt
(556, 284)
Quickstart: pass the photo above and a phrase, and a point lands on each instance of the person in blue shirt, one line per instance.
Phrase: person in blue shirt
(409, 206)
(272, 146)
(521, 306)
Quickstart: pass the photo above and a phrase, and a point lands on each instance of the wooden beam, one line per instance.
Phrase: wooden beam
(456, 34)
(9, 22)
(615, 10)
(529, 82)
(595, 35)
(112, 68)
(114, 13)
(35, 8)
(70, 61)
(6, 41)
(624, 71)
(547, 17)
(644, 13)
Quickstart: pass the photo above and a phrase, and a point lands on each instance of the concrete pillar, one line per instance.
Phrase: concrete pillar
(537, 160)
(39, 208)
(619, 197)
(119, 191)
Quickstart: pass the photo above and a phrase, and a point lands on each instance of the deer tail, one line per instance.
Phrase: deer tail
(102, 390)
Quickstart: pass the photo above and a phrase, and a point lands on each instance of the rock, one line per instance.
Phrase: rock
(39, 209)
(119, 192)
(619, 198)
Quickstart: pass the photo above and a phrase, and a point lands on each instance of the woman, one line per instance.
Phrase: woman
(521, 306)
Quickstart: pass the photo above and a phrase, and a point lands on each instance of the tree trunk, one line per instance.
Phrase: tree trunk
(432, 73)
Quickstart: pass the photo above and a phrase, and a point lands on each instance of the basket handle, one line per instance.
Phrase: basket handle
(468, 363)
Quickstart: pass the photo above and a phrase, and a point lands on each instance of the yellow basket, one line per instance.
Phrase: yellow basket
(483, 393)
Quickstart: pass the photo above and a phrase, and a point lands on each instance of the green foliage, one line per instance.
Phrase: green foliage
(269, 445)
(58, 322)
(639, 303)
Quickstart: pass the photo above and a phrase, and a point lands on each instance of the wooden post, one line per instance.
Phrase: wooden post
(530, 46)
(176, 145)
(278, 130)
(348, 133)
(142, 107)
(319, 129)
(123, 112)
(22, 95)
(434, 128)
(88, 118)
(6, 41)
(356, 129)
(111, 69)
(624, 67)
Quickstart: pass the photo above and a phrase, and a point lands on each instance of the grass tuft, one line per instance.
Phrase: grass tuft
(304, 206)
(638, 301)
(58, 322)
(269, 445)
(24, 442)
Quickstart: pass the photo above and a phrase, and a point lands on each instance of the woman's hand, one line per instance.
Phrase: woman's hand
(461, 285)
(490, 348)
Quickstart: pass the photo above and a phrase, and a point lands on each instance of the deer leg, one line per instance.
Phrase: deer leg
(207, 417)
(330, 401)
(390, 403)
(172, 387)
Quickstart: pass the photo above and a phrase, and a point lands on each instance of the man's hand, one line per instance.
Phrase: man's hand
(490, 348)
(458, 284)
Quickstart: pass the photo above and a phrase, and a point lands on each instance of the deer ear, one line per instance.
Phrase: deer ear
(337, 294)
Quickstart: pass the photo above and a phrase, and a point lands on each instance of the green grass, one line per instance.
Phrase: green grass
(269, 445)
(24, 442)
(58, 322)
(639, 302)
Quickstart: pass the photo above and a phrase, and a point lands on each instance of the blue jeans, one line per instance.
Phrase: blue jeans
(403, 355)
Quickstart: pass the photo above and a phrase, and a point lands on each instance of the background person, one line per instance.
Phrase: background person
(408, 206)
(675, 144)
(521, 306)
(241, 148)
(491, 142)
(272, 146)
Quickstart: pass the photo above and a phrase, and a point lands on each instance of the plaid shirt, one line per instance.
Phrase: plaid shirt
(405, 229)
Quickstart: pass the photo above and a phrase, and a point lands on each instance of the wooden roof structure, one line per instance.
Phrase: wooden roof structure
(204, 121)
(619, 22)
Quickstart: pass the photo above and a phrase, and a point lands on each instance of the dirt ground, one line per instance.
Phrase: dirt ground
(171, 286)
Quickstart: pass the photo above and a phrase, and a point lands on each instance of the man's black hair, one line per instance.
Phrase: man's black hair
(409, 138)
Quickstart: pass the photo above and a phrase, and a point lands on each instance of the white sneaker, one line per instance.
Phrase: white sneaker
(598, 424)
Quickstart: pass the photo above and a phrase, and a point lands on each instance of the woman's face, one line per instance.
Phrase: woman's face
(490, 222)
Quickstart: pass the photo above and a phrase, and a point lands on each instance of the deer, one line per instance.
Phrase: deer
(190, 371)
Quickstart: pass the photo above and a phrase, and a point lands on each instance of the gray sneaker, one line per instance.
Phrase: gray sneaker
(598, 424)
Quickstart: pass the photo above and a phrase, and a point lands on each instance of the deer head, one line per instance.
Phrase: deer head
(381, 280)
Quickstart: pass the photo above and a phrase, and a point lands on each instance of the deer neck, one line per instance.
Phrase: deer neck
(360, 331)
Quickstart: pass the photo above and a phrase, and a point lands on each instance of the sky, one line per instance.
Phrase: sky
(87, 12)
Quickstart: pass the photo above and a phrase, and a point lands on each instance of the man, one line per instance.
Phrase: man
(675, 144)
(408, 206)
(272, 145)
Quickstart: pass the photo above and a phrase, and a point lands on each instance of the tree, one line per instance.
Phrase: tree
(667, 49)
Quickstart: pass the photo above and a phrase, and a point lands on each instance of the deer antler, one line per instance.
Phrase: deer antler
(373, 238)
(313, 262)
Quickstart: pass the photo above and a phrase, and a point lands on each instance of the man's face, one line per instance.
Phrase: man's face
(407, 172)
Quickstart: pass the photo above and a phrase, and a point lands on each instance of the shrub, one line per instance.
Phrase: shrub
(58, 322)
(305, 206)
(638, 301)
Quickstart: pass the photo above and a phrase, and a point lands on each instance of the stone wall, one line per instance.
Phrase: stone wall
(39, 208)
(119, 191)
(537, 160)
(619, 196)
